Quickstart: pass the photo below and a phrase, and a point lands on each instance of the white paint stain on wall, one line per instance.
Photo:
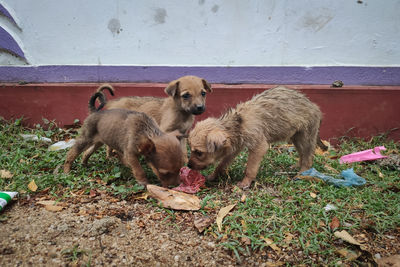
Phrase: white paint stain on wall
(208, 33)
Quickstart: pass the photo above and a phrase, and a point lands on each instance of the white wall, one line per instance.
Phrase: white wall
(205, 32)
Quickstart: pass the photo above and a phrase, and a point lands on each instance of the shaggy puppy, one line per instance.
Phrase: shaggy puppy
(131, 134)
(278, 114)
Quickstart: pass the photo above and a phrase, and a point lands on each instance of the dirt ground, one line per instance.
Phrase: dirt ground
(100, 230)
(108, 232)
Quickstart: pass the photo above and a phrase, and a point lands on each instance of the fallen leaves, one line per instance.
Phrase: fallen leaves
(32, 186)
(6, 174)
(344, 235)
(271, 244)
(174, 199)
(50, 205)
(335, 223)
(201, 223)
(221, 215)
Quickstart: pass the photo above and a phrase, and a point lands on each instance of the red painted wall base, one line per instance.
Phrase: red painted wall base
(360, 111)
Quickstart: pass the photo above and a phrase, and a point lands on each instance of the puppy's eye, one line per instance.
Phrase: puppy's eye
(197, 153)
(186, 96)
(203, 93)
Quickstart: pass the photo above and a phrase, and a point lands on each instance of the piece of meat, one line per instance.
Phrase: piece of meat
(191, 181)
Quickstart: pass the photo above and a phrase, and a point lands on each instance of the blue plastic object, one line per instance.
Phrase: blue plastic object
(350, 178)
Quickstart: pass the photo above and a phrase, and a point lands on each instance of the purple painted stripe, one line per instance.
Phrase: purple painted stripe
(4, 12)
(229, 75)
(8, 43)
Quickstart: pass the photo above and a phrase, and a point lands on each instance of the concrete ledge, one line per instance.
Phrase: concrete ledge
(361, 111)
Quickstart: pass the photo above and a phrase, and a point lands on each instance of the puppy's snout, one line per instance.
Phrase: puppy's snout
(198, 109)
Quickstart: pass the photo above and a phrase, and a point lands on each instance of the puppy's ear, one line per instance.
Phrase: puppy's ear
(146, 146)
(216, 140)
(178, 135)
(172, 88)
(207, 86)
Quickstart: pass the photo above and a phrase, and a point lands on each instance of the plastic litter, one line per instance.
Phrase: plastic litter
(191, 181)
(350, 178)
(33, 137)
(5, 198)
(62, 145)
(329, 207)
(370, 154)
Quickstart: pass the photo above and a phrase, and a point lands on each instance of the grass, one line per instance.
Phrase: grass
(289, 212)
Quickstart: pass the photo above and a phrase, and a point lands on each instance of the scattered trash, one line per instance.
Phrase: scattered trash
(174, 199)
(5, 198)
(337, 83)
(62, 145)
(370, 154)
(192, 181)
(329, 207)
(33, 137)
(350, 178)
(221, 215)
(335, 223)
(201, 223)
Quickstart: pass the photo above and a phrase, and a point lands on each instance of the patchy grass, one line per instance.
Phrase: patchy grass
(278, 208)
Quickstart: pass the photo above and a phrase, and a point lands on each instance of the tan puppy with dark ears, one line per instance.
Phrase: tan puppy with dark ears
(131, 134)
(278, 114)
(186, 98)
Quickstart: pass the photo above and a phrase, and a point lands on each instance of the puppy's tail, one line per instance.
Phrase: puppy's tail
(106, 86)
(101, 96)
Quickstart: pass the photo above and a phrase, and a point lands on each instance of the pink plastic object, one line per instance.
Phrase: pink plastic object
(370, 154)
(191, 181)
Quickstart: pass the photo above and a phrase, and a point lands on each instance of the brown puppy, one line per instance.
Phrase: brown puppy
(131, 134)
(278, 114)
(187, 97)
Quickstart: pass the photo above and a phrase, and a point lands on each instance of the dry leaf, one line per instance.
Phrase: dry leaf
(222, 213)
(144, 196)
(271, 244)
(174, 199)
(46, 202)
(335, 223)
(274, 264)
(32, 186)
(245, 240)
(313, 195)
(349, 254)
(202, 223)
(5, 174)
(243, 198)
(288, 238)
(53, 208)
(346, 237)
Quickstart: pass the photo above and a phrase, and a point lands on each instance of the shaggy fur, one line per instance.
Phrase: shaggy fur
(278, 114)
(131, 134)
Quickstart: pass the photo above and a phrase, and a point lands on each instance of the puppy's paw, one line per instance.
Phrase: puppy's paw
(211, 177)
(245, 183)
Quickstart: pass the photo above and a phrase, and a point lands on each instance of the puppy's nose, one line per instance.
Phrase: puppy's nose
(190, 165)
(200, 108)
